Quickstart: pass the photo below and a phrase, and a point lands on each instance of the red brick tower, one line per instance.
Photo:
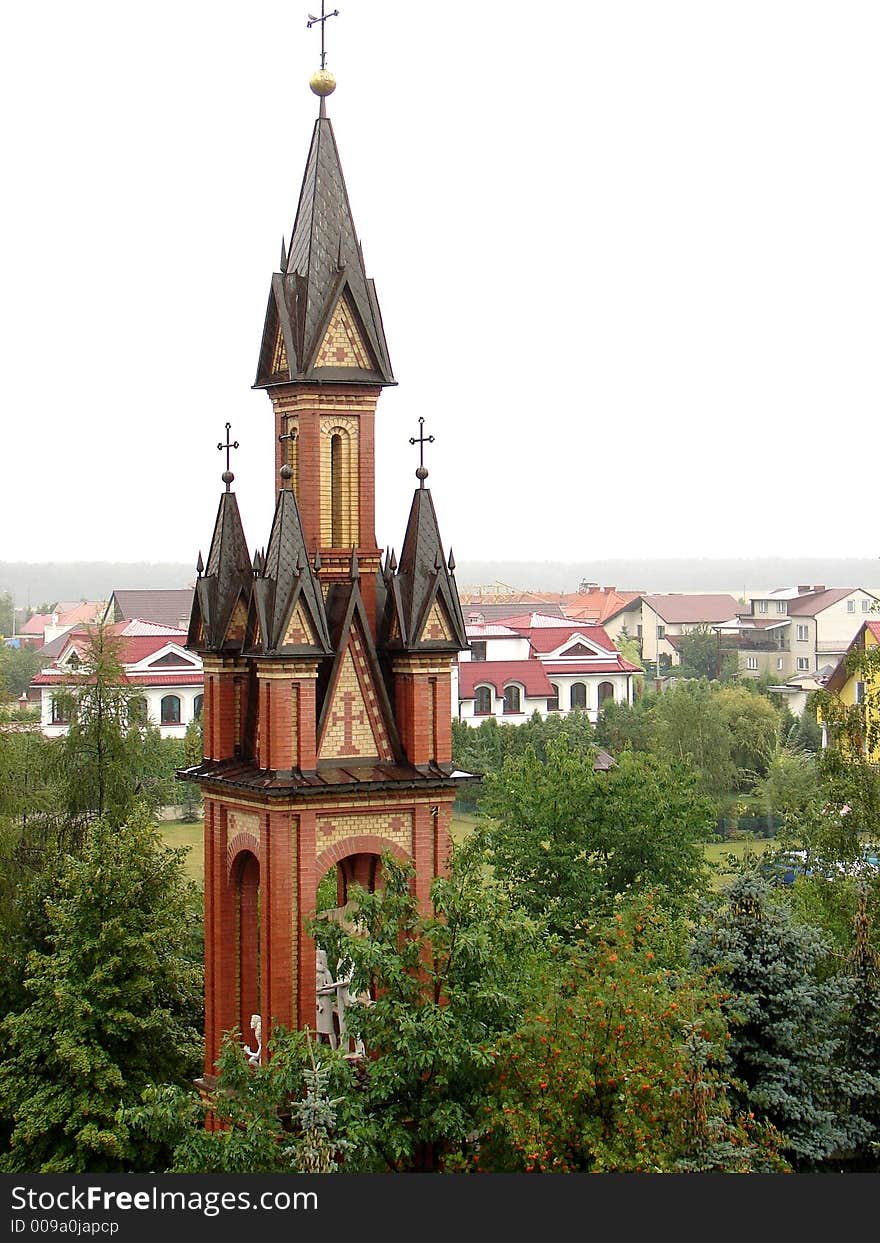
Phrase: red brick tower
(327, 710)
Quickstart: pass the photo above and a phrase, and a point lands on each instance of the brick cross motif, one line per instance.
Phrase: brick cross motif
(347, 719)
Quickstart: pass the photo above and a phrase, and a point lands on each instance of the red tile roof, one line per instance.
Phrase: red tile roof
(548, 639)
(588, 666)
(36, 624)
(529, 674)
(874, 627)
(809, 604)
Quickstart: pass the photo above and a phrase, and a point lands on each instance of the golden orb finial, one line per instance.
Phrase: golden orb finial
(322, 82)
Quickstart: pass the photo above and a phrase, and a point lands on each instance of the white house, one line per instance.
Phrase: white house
(165, 679)
(535, 663)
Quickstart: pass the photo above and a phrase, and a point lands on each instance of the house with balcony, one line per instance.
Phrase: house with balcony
(656, 620)
(796, 631)
(538, 663)
(165, 680)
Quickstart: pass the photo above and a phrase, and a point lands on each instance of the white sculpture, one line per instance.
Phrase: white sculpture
(325, 997)
(253, 1055)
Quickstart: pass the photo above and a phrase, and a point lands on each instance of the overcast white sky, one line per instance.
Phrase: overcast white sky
(627, 254)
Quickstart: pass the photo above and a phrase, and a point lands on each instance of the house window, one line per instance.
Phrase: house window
(850, 606)
(578, 696)
(483, 701)
(137, 711)
(803, 633)
(781, 607)
(170, 710)
(752, 662)
(762, 606)
(478, 649)
(553, 700)
(639, 632)
(803, 662)
(780, 663)
(606, 693)
(74, 661)
(60, 712)
(511, 699)
(197, 706)
(866, 606)
(860, 692)
(661, 631)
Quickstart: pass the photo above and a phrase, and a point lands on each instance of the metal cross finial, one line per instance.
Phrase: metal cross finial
(421, 440)
(286, 435)
(227, 475)
(286, 469)
(322, 20)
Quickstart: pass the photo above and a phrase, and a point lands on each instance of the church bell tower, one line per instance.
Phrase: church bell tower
(327, 705)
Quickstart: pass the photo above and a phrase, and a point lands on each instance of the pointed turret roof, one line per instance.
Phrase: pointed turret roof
(222, 593)
(287, 613)
(423, 612)
(323, 320)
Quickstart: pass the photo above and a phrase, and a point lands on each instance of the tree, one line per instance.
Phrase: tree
(700, 655)
(114, 1006)
(18, 668)
(617, 1067)
(443, 987)
(861, 1051)
(784, 1009)
(566, 840)
(100, 750)
(7, 614)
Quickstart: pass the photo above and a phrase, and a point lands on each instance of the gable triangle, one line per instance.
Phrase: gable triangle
(578, 649)
(237, 623)
(343, 344)
(353, 724)
(299, 630)
(436, 628)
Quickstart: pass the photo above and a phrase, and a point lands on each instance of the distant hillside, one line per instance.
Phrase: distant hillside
(36, 583)
(737, 576)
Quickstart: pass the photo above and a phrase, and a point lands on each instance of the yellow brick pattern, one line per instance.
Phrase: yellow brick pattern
(347, 430)
(298, 628)
(279, 354)
(435, 626)
(348, 733)
(380, 733)
(242, 822)
(237, 623)
(343, 345)
(294, 722)
(395, 827)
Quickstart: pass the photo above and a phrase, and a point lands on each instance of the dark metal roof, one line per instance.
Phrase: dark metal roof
(165, 606)
(286, 580)
(324, 262)
(227, 578)
(356, 777)
(421, 578)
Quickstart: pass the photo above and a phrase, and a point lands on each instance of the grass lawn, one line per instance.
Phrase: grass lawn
(717, 853)
(176, 833)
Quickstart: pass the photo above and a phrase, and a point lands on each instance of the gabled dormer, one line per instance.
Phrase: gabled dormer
(223, 587)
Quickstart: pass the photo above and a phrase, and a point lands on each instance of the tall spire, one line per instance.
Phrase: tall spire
(323, 321)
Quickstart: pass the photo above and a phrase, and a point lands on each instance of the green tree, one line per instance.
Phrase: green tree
(616, 1067)
(444, 988)
(114, 1005)
(566, 840)
(784, 1011)
(18, 668)
(7, 614)
(100, 751)
(700, 655)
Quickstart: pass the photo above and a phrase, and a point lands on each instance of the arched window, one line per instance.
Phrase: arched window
(197, 706)
(553, 700)
(336, 490)
(483, 701)
(137, 710)
(579, 696)
(170, 710)
(606, 693)
(511, 699)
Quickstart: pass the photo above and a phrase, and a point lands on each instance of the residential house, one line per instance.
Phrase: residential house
(168, 606)
(165, 678)
(796, 630)
(850, 685)
(656, 620)
(538, 663)
(43, 628)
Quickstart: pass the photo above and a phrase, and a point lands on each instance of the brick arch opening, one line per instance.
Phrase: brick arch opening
(245, 879)
(357, 860)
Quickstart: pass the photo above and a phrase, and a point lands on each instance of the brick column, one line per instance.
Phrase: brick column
(423, 854)
(277, 908)
(307, 886)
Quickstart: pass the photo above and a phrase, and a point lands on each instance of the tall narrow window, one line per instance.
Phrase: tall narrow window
(336, 491)
(511, 699)
(170, 712)
(553, 700)
(482, 701)
(578, 696)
